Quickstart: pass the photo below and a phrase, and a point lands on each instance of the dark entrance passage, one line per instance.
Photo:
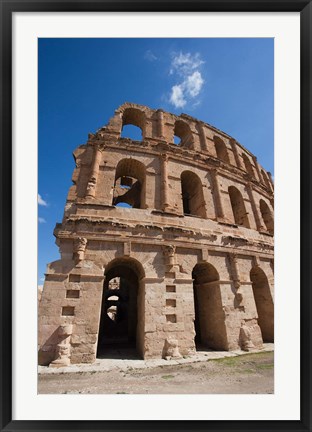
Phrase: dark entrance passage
(209, 316)
(264, 303)
(119, 313)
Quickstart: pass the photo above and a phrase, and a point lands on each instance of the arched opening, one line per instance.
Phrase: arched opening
(221, 149)
(267, 216)
(182, 134)
(209, 317)
(133, 124)
(248, 165)
(129, 186)
(238, 207)
(192, 195)
(265, 179)
(132, 132)
(121, 314)
(264, 303)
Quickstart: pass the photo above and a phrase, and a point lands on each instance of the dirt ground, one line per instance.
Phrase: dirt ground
(246, 374)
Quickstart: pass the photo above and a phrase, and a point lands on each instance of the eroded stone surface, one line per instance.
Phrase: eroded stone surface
(190, 261)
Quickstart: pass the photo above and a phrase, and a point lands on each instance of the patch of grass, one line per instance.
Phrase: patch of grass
(228, 361)
(266, 366)
(167, 376)
(241, 359)
(122, 393)
(247, 371)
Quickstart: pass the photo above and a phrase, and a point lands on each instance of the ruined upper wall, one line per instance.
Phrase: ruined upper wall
(196, 137)
(208, 175)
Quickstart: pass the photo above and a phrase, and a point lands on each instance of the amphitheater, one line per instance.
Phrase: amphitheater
(166, 245)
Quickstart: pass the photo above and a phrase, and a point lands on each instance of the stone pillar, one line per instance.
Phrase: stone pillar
(254, 207)
(79, 249)
(257, 168)
(161, 123)
(234, 270)
(63, 347)
(94, 173)
(169, 255)
(164, 182)
(217, 194)
(202, 136)
(272, 265)
(255, 261)
(236, 155)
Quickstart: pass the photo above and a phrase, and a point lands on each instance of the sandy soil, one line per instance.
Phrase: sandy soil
(247, 374)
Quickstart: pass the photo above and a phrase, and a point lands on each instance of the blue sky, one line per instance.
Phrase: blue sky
(227, 83)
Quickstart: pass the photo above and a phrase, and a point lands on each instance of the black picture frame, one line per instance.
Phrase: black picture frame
(7, 9)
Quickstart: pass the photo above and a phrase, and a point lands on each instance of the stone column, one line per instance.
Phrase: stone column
(257, 168)
(161, 123)
(217, 194)
(79, 249)
(171, 268)
(202, 136)
(234, 270)
(272, 265)
(94, 173)
(63, 347)
(255, 261)
(164, 182)
(236, 155)
(254, 207)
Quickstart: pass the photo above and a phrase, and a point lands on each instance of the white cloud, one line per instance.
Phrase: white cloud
(41, 201)
(186, 66)
(41, 220)
(177, 96)
(194, 83)
(150, 56)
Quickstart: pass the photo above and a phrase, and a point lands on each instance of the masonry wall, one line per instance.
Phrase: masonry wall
(202, 252)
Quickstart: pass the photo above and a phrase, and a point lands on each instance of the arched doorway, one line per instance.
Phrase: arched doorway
(192, 195)
(209, 316)
(248, 165)
(129, 186)
(264, 303)
(267, 216)
(182, 134)
(135, 118)
(221, 149)
(238, 207)
(119, 330)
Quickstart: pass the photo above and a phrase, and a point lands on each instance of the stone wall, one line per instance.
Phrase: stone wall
(196, 245)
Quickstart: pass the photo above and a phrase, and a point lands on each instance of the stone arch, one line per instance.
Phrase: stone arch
(130, 183)
(192, 195)
(183, 131)
(264, 303)
(248, 165)
(267, 216)
(221, 150)
(265, 179)
(135, 117)
(238, 207)
(209, 316)
(121, 321)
